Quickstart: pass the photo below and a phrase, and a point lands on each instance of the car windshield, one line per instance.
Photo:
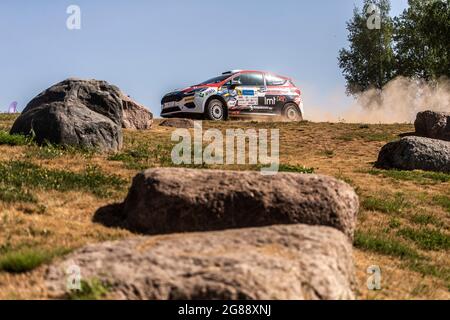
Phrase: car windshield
(216, 79)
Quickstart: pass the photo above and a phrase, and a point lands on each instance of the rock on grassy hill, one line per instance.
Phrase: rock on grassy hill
(167, 200)
(430, 152)
(83, 113)
(278, 262)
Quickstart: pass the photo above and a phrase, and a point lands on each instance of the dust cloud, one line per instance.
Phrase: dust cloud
(398, 102)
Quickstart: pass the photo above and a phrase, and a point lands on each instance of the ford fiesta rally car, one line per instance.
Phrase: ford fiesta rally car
(236, 93)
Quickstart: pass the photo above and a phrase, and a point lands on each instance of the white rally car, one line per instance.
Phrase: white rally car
(236, 93)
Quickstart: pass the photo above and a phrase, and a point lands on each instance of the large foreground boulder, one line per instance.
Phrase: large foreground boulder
(86, 113)
(135, 115)
(434, 125)
(166, 200)
(278, 262)
(415, 153)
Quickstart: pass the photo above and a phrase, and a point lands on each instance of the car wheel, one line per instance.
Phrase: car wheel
(215, 110)
(291, 112)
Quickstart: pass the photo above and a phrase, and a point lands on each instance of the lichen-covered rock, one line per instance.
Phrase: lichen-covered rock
(165, 200)
(277, 262)
(135, 115)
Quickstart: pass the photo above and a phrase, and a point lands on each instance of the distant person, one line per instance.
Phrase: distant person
(13, 107)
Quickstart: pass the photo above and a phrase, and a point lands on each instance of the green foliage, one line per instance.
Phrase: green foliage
(413, 45)
(422, 40)
(369, 62)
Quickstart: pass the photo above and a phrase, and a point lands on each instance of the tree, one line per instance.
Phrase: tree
(422, 40)
(369, 61)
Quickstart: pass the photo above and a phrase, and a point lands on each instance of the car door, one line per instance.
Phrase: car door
(249, 89)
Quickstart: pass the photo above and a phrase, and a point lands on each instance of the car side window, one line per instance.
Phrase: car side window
(251, 79)
(272, 80)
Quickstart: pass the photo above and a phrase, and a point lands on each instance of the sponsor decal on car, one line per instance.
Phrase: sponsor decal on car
(207, 93)
(245, 101)
(232, 103)
(248, 92)
(270, 101)
(281, 99)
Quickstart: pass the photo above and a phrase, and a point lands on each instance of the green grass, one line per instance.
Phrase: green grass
(443, 201)
(367, 136)
(20, 176)
(142, 156)
(13, 139)
(427, 269)
(394, 223)
(9, 116)
(92, 289)
(51, 151)
(427, 239)
(25, 260)
(294, 168)
(421, 177)
(425, 219)
(12, 194)
(385, 245)
(390, 205)
(45, 151)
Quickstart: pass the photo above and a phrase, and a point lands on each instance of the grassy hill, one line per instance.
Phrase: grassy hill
(49, 195)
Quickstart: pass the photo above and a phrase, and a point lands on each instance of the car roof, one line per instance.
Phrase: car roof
(232, 72)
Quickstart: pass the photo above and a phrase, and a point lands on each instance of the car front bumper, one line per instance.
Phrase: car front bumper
(185, 104)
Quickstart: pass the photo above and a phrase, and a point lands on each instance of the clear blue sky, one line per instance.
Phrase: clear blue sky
(150, 47)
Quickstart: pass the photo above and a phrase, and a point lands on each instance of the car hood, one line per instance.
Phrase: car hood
(195, 87)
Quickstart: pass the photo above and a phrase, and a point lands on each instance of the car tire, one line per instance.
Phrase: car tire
(215, 110)
(291, 112)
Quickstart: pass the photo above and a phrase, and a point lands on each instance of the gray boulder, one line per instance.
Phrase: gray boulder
(135, 115)
(166, 200)
(278, 262)
(434, 125)
(178, 123)
(415, 153)
(85, 113)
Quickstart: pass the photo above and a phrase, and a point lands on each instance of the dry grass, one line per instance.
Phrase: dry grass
(403, 226)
